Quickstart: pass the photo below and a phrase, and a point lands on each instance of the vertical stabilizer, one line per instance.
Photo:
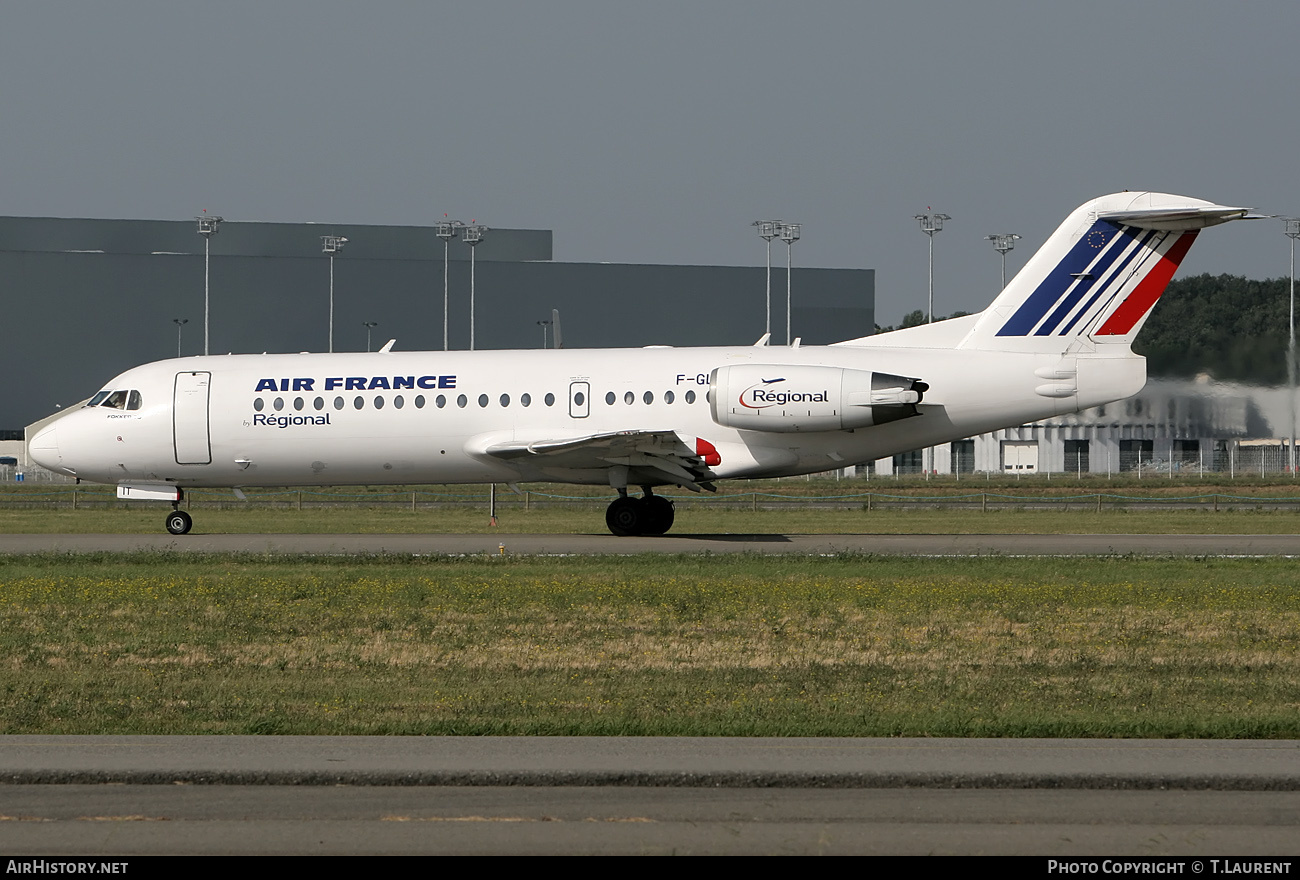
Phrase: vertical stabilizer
(1096, 279)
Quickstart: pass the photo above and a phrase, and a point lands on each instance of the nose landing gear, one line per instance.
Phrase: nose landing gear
(178, 521)
(649, 515)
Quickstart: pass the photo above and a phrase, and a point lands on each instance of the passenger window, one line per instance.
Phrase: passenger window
(690, 396)
(525, 399)
(398, 401)
(549, 399)
(297, 403)
(419, 401)
(319, 403)
(482, 400)
(440, 401)
(278, 403)
(258, 404)
(505, 399)
(610, 398)
(669, 397)
(359, 402)
(338, 403)
(379, 402)
(628, 398)
(133, 402)
(461, 401)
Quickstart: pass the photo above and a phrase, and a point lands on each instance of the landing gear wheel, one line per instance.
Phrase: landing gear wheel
(659, 514)
(179, 522)
(626, 516)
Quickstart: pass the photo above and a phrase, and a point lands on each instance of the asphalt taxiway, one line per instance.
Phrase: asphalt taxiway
(604, 544)
(352, 795)
(819, 762)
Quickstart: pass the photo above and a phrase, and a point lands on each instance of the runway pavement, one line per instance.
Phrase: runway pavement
(1254, 765)
(586, 545)
(520, 795)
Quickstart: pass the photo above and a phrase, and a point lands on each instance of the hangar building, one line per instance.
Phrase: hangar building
(87, 299)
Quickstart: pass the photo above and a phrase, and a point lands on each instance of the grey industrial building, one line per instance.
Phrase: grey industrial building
(86, 299)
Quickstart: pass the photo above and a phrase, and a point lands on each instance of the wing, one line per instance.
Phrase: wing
(630, 457)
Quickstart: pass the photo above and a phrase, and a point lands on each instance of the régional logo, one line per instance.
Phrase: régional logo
(762, 396)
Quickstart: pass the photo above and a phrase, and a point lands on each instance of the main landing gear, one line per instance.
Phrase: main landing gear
(178, 521)
(648, 515)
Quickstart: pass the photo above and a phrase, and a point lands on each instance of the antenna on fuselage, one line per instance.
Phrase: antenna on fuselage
(388, 346)
(555, 328)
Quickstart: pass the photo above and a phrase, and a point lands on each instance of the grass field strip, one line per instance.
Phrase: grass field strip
(833, 645)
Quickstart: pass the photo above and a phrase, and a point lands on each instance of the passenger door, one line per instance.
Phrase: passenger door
(190, 418)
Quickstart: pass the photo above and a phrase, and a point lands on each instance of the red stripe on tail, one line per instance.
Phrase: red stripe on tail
(1144, 296)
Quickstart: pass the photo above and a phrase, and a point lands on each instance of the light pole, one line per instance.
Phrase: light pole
(789, 233)
(544, 325)
(930, 224)
(446, 230)
(767, 230)
(1292, 232)
(473, 237)
(369, 325)
(331, 245)
(1003, 243)
(208, 227)
(179, 322)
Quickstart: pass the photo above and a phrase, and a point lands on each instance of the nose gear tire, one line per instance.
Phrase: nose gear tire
(179, 522)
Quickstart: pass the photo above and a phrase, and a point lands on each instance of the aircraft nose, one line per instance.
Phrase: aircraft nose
(44, 448)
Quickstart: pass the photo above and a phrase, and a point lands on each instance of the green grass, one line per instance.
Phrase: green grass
(665, 645)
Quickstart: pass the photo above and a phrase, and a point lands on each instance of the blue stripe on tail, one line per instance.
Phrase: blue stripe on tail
(1058, 282)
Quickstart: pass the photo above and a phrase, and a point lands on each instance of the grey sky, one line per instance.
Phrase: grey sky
(655, 132)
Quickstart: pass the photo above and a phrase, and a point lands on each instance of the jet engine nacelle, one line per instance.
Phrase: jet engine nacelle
(787, 398)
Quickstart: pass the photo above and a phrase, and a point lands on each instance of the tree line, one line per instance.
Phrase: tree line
(1234, 328)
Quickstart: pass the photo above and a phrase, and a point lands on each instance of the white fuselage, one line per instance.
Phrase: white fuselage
(430, 417)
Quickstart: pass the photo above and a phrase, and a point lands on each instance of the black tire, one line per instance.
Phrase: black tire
(659, 515)
(625, 516)
(179, 522)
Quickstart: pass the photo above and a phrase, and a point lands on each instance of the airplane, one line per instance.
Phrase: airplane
(1056, 340)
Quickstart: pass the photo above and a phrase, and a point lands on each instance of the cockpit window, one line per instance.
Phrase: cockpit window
(117, 399)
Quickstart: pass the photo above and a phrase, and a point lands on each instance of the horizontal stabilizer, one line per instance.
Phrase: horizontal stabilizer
(1176, 219)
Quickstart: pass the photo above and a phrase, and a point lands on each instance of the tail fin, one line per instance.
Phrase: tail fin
(1098, 276)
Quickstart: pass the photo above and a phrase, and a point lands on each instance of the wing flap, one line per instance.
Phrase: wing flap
(648, 456)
